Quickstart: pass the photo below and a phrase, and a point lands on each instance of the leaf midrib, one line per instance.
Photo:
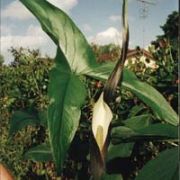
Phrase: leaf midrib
(60, 128)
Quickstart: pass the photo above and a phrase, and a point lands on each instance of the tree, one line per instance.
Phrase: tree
(1, 59)
(23, 86)
(170, 29)
(166, 53)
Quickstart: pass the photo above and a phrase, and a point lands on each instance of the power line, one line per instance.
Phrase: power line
(144, 10)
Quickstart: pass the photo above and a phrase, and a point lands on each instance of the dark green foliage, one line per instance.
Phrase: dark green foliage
(40, 153)
(164, 166)
(112, 177)
(23, 87)
(120, 150)
(22, 119)
(138, 122)
(154, 131)
(165, 78)
(170, 29)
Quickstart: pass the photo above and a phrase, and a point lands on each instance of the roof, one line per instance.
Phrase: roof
(138, 53)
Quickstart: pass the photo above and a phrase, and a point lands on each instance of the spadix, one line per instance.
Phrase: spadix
(101, 119)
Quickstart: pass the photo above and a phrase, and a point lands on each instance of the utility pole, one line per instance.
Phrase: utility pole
(144, 14)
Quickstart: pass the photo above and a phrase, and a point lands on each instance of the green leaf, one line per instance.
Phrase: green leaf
(121, 134)
(112, 177)
(39, 153)
(101, 71)
(142, 90)
(42, 115)
(159, 129)
(21, 119)
(66, 91)
(138, 122)
(152, 98)
(135, 110)
(164, 166)
(119, 151)
(67, 94)
(65, 34)
(155, 131)
(75, 57)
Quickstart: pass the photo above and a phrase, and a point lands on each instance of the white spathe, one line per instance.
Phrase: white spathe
(102, 116)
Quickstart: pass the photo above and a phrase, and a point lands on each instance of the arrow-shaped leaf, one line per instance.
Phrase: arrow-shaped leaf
(67, 94)
(62, 30)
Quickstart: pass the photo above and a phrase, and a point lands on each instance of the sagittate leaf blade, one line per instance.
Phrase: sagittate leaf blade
(63, 31)
(164, 166)
(40, 153)
(67, 94)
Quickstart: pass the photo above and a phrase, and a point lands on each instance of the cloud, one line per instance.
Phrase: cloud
(87, 28)
(34, 38)
(65, 5)
(16, 10)
(115, 18)
(110, 35)
(4, 29)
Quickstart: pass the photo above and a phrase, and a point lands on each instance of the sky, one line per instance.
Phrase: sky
(99, 20)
